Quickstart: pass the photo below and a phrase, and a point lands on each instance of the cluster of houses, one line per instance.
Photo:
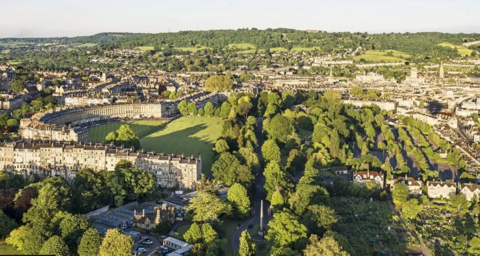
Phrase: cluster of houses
(435, 189)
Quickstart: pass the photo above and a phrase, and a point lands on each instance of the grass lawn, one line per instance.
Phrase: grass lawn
(461, 49)
(189, 136)
(242, 46)
(183, 229)
(145, 48)
(141, 128)
(304, 49)
(191, 49)
(228, 227)
(14, 63)
(305, 133)
(379, 56)
(85, 45)
(278, 49)
(6, 249)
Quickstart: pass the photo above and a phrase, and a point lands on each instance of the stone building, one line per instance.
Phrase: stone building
(414, 186)
(470, 191)
(149, 221)
(443, 189)
(363, 177)
(66, 158)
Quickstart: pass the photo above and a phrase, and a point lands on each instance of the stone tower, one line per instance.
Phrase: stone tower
(441, 72)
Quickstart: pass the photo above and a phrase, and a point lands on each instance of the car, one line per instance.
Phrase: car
(250, 226)
(141, 250)
(147, 241)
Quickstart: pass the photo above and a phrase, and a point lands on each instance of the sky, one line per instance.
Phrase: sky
(52, 18)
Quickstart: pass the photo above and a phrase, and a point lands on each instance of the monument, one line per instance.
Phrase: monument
(261, 231)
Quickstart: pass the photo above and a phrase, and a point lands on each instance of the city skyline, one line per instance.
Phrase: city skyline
(56, 18)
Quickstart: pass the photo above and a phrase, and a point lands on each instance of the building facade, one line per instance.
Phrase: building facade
(443, 189)
(66, 158)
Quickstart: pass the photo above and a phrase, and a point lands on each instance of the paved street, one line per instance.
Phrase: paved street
(259, 195)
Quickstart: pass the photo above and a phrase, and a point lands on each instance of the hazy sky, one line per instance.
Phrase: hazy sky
(46, 18)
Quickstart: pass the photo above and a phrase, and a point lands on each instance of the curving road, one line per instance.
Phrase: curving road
(259, 196)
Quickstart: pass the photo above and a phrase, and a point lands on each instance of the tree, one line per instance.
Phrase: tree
(400, 194)
(326, 246)
(280, 128)
(127, 137)
(111, 136)
(357, 91)
(72, 228)
(274, 178)
(208, 109)
(37, 104)
(54, 246)
(192, 108)
(332, 96)
(228, 170)
(459, 202)
(208, 233)
(319, 218)
(249, 158)
(7, 197)
(90, 190)
(271, 152)
(6, 225)
(218, 83)
(116, 243)
(411, 209)
(225, 109)
(244, 105)
(34, 238)
(90, 243)
(285, 230)
(221, 146)
(193, 234)
(237, 196)
(207, 207)
(278, 201)
(12, 122)
(246, 247)
(18, 86)
(474, 246)
(17, 237)
(183, 107)
(307, 194)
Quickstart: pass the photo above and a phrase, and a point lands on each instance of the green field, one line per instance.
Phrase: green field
(145, 48)
(461, 49)
(242, 46)
(189, 136)
(380, 56)
(304, 49)
(191, 49)
(85, 45)
(278, 49)
(6, 249)
(141, 128)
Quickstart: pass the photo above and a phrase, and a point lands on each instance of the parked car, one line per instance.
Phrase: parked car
(141, 250)
(250, 226)
(147, 241)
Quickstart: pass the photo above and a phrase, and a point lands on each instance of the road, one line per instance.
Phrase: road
(423, 248)
(259, 196)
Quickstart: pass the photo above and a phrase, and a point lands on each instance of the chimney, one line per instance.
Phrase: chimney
(143, 213)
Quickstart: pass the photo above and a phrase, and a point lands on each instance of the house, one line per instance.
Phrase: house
(414, 186)
(470, 190)
(443, 189)
(363, 177)
(174, 243)
(151, 220)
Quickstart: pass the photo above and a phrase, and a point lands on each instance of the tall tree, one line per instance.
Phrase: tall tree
(127, 137)
(271, 152)
(6, 225)
(90, 243)
(116, 243)
(238, 197)
(54, 246)
(400, 194)
(228, 170)
(246, 246)
(274, 178)
(327, 246)
(207, 207)
(285, 230)
(280, 128)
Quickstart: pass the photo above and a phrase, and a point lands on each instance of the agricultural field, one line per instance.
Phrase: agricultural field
(145, 48)
(461, 49)
(189, 136)
(381, 56)
(141, 128)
